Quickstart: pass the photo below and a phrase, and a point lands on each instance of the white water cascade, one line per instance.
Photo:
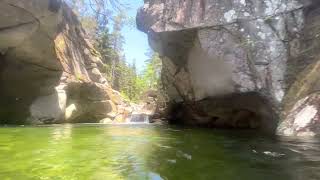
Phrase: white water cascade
(139, 118)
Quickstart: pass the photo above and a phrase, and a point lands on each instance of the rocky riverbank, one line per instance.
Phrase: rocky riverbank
(49, 71)
(239, 64)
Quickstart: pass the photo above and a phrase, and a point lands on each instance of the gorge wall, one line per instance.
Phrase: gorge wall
(239, 63)
(49, 71)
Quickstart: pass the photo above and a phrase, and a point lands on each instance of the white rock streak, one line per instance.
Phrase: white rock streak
(304, 117)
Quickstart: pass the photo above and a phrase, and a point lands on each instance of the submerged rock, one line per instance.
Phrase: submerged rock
(240, 64)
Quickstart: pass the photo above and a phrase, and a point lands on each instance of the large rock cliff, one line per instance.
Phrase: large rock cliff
(238, 63)
(49, 72)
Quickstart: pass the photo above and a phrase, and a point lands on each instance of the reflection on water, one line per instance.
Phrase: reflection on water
(152, 152)
(61, 132)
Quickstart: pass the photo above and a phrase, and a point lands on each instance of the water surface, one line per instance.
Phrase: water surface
(152, 152)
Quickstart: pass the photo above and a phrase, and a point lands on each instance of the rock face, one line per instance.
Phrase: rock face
(236, 63)
(49, 72)
(304, 118)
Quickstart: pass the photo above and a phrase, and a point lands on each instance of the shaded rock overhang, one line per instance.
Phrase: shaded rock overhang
(258, 45)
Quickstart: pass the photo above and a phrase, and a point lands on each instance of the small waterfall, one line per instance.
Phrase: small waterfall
(139, 118)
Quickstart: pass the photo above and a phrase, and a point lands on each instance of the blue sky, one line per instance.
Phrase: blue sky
(136, 42)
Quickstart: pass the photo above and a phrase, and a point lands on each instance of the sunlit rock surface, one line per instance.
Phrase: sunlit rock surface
(238, 55)
(304, 118)
(49, 71)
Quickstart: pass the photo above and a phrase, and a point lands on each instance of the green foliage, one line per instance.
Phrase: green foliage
(152, 72)
(95, 16)
(79, 77)
(132, 84)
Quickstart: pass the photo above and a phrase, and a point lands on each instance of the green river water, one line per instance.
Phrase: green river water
(107, 152)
